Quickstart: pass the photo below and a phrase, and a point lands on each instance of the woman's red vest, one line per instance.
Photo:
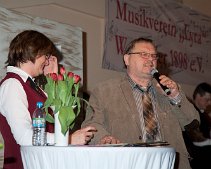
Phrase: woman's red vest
(12, 155)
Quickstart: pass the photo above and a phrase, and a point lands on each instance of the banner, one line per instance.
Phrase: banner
(182, 37)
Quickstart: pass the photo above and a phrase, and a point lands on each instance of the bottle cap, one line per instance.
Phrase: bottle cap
(39, 104)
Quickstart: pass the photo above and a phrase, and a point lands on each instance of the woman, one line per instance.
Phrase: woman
(30, 55)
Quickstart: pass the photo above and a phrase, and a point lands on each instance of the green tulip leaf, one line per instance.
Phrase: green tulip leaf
(49, 118)
(63, 98)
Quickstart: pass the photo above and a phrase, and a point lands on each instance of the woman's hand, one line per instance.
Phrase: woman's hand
(82, 136)
(52, 67)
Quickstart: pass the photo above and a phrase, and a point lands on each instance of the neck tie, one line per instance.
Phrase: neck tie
(149, 118)
(49, 126)
(35, 87)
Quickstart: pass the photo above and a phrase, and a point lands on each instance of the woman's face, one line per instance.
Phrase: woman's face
(39, 64)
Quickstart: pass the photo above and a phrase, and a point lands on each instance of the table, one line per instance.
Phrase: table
(90, 157)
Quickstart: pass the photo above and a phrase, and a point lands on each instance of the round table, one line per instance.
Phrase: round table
(90, 157)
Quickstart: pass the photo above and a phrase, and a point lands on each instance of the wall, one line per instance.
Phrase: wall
(202, 6)
(89, 15)
(67, 38)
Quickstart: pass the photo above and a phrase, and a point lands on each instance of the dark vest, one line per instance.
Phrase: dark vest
(12, 155)
(205, 123)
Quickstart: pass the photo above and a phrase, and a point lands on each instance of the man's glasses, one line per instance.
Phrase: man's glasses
(145, 55)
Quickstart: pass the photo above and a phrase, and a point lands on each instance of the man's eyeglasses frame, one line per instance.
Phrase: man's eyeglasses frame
(145, 55)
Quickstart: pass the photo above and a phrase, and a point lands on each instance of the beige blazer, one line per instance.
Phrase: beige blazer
(115, 113)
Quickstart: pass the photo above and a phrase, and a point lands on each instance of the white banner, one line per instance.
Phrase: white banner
(182, 36)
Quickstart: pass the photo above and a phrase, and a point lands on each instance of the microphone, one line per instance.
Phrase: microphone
(156, 75)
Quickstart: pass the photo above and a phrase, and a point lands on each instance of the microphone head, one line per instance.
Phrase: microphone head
(153, 71)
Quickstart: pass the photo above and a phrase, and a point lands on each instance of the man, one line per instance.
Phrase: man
(197, 134)
(119, 107)
(202, 100)
(30, 55)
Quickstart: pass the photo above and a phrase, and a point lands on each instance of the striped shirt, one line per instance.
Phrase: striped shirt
(137, 93)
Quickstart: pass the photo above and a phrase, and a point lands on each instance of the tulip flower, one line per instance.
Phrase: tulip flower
(62, 70)
(53, 76)
(60, 77)
(62, 91)
(70, 74)
(76, 78)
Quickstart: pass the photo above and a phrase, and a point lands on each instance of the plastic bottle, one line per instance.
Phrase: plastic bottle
(39, 125)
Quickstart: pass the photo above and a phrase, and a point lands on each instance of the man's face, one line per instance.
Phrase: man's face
(202, 102)
(138, 66)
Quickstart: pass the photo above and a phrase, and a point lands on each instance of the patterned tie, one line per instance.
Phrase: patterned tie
(149, 117)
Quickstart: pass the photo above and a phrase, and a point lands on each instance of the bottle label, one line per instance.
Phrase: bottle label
(38, 122)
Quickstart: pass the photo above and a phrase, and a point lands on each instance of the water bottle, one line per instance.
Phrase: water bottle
(38, 124)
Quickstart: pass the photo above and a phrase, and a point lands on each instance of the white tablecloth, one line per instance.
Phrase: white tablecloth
(82, 157)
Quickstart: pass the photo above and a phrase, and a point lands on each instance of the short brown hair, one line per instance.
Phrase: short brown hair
(131, 45)
(201, 89)
(27, 45)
